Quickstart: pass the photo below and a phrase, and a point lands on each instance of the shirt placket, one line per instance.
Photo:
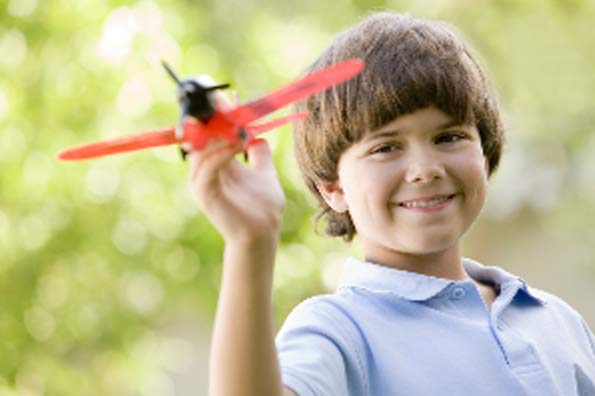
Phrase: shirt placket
(518, 351)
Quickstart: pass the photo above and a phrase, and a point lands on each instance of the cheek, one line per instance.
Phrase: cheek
(366, 188)
(476, 178)
(474, 160)
(471, 172)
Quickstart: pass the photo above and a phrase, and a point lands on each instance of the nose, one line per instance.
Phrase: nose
(423, 167)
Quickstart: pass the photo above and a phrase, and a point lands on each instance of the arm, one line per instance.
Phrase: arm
(244, 203)
(243, 355)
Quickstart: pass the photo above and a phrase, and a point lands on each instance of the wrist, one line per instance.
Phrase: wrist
(252, 241)
(251, 255)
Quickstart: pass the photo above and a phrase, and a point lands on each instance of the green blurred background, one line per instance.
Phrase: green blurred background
(108, 271)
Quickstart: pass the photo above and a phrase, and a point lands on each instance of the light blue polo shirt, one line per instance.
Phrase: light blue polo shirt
(387, 332)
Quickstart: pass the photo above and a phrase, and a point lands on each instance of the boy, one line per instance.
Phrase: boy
(400, 156)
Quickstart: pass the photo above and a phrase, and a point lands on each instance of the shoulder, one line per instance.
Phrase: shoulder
(565, 317)
(325, 321)
(557, 307)
(321, 347)
(328, 312)
(555, 304)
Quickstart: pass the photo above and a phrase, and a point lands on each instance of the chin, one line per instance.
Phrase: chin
(426, 247)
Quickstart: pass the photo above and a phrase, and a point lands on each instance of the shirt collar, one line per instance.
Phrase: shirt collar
(418, 287)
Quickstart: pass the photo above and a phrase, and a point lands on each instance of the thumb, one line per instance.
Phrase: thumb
(259, 153)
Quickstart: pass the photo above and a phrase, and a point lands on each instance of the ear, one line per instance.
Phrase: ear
(333, 195)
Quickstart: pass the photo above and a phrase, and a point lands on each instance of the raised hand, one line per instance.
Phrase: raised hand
(243, 202)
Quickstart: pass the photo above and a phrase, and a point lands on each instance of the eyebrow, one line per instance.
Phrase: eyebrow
(392, 132)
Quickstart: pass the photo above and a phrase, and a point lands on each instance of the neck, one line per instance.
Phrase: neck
(446, 264)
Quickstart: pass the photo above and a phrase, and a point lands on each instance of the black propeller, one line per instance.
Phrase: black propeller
(193, 98)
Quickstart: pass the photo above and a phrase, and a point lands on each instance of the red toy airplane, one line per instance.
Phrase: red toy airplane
(201, 120)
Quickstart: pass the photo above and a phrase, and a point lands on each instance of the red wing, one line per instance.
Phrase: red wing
(295, 91)
(257, 129)
(242, 115)
(161, 137)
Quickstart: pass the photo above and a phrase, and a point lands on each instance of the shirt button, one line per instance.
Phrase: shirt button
(457, 293)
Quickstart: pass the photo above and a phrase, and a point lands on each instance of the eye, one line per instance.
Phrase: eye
(450, 137)
(385, 148)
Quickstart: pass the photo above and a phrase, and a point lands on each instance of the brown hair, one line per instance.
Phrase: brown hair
(410, 64)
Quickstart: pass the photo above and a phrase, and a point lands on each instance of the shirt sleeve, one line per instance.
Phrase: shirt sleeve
(320, 351)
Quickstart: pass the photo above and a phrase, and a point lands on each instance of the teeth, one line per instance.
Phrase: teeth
(425, 204)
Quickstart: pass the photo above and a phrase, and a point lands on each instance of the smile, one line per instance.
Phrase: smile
(430, 203)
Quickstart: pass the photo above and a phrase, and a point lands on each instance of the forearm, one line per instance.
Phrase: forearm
(243, 356)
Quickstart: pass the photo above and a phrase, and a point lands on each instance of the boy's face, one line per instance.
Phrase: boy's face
(414, 186)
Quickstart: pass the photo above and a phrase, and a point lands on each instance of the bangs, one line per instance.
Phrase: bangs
(399, 79)
(411, 64)
(402, 89)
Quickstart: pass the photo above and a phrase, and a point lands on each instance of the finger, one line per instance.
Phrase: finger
(259, 153)
(208, 165)
(197, 156)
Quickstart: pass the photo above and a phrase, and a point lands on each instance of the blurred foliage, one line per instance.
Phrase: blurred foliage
(108, 271)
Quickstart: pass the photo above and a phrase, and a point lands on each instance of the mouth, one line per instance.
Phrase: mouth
(433, 202)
